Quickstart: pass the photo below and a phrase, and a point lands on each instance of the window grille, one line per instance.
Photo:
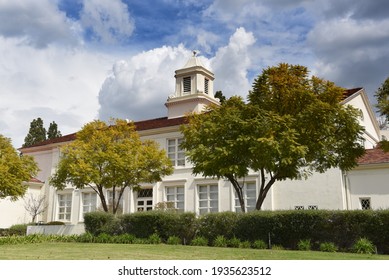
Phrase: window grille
(144, 200)
(313, 207)
(208, 198)
(365, 203)
(299, 207)
(249, 196)
(176, 195)
(175, 153)
(206, 82)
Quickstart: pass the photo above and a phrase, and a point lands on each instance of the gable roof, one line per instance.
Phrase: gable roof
(139, 125)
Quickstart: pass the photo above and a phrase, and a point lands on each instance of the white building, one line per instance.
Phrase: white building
(194, 90)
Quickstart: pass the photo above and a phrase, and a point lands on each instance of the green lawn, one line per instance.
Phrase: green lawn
(93, 251)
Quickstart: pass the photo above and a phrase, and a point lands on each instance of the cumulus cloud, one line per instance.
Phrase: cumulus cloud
(58, 84)
(139, 87)
(107, 21)
(37, 25)
(232, 62)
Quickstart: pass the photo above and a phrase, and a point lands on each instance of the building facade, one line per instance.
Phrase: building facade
(333, 189)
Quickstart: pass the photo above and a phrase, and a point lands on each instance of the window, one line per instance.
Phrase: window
(365, 203)
(64, 206)
(313, 207)
(89, 202)
(175, 153)
(299, 207)
(177, 196)
(144, 201)
(208, 198)
(187, 85)
(206, 83)
(249, 196)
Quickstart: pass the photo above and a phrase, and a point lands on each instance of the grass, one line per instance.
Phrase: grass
(93, 251)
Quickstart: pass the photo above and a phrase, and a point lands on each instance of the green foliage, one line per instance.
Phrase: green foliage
(154, 239)
(304, 245)
(212, 225)
(53, 131)
(364, 246)
(382, 95)
(292, 126)
(259, 244)
(199, 241)
(328, 247)
(110, 156)
(245, 244)
(36, 133)
(220, 241)
(277, 247)
(55, 223)
(174, 240)
(101, 222)
(234, 242)
(15, 170)
(19, 229)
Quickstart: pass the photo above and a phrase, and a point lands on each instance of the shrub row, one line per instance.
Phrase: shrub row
(284, 228)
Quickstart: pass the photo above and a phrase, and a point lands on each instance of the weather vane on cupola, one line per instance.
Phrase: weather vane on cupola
(194, 53)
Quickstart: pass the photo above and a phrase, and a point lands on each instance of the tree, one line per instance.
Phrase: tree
(35, 205)
(36, 133)
(15, 170)
(382, 95)
(292, 126)
(220, 96)
(53, 131)
(110, 157)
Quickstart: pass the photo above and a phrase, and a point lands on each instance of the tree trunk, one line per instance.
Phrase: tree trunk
(265, 187)
(239, 191)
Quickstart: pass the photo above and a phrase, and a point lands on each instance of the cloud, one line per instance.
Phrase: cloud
(232, 62)
(138, 88)
(107, 21)
(37, 25)
(352, 52)
(50, 83)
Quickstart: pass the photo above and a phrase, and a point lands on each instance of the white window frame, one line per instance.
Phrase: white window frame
(143, 202)
(88, 203)
(175, 153)
(176, 194)
(251, 198)
(64, 207)
(207, 201)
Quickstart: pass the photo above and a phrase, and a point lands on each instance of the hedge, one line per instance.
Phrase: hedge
(284, 228)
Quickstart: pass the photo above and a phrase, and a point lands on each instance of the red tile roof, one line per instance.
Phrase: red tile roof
(349, 92)
(35, 180)
(140, 126)
(374, 156)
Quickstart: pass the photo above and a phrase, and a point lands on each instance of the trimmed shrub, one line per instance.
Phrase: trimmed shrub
(245, 244)
(101, 222)
(212, 225)
(199, 241)
(55, 223)
(19, 229)
(364, 246)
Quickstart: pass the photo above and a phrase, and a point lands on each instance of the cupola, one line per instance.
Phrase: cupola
(194, 89)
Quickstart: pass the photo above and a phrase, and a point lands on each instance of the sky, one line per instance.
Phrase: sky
(74, 61)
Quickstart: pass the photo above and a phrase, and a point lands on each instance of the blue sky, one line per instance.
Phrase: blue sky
(75, 61)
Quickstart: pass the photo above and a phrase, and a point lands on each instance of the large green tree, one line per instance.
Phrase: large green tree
(53, 131)
(382, 95)
(36, 133)
(15, 170)
(110, 157)
(293, 125)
